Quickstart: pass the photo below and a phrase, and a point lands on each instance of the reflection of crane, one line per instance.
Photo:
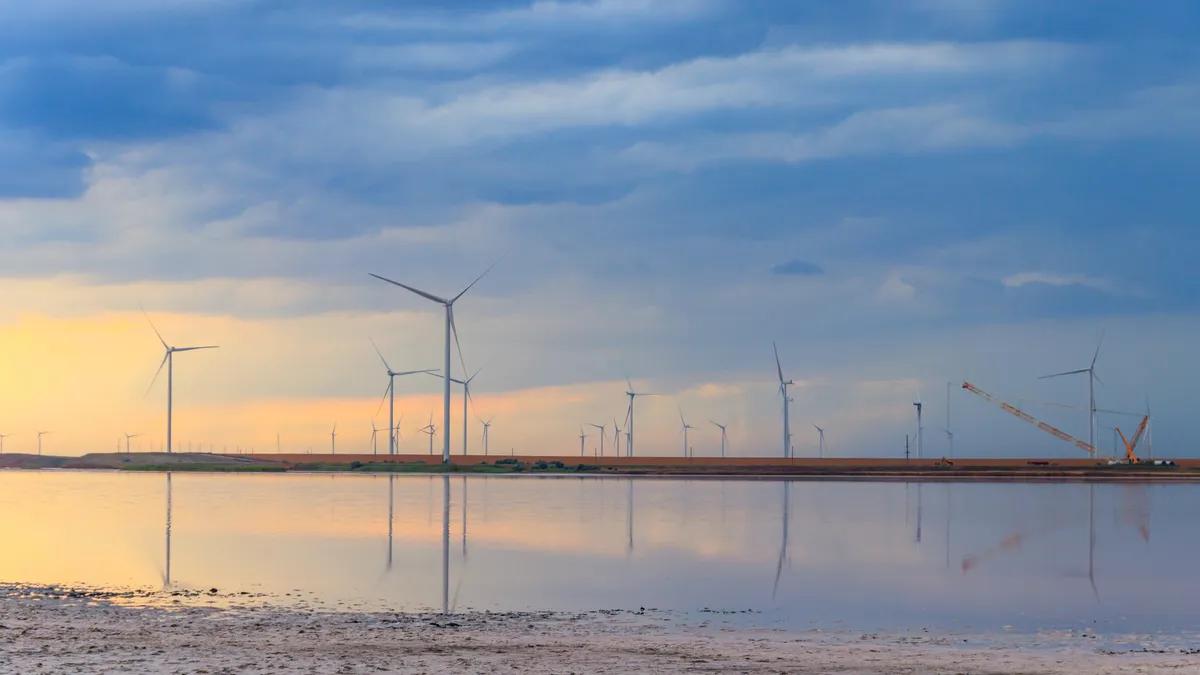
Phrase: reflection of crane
(1062, 435)
(1131, 445)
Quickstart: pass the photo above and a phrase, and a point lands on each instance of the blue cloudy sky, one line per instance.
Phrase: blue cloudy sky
(901, 193)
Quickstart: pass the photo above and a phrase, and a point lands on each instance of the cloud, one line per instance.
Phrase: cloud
(797, 268)
(1024, 278)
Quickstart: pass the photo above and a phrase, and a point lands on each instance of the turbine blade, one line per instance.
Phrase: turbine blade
(630, 389)
(192, 349)
(417, 372)
(423, 294)
(1070, 372)
(485, 272)
(454, 329)
(1097, 378)
(1098, 346)
(385, 363)
(157, 372)
(383, 400)
(153, 328)
(778, 366)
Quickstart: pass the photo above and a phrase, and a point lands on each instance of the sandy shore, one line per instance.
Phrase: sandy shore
(80, 632)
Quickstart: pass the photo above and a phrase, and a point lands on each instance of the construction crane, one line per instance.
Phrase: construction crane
(1131, 445)
(1061, 435)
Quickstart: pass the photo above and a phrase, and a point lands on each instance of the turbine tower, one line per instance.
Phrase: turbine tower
(722, 427)
(601, 427)
(430, 429)
(686, 449)
(582, 440)
(127, 438)
(40, 434)
(616, 439)
(629, 417)
(2, 437)
(949, 434)
(1092, 379)
(920, 429)
(486, 426)
(169, 362)
(820, 441)
(390, 395)
(449, 305)
(374, 439)
(333, 439)
(783, 385)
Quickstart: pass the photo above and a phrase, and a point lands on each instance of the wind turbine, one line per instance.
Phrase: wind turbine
(127, 437)
(820, 441)
(390, 393)
(449, 305)
(1092, 379)
(333, 439)
(629, 432)
(429, 429)
(616, 438)
(686, 450)
(486, 426)
(722, 427)
(783, 385)
(169, 362)
(920, 430)
(601, 427)
(949, 434)
(40, 434)
(374, 439)
(582, 440)
(2, 437)
(466, 385)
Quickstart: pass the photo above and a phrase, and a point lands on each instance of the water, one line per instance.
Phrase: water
(868, 556)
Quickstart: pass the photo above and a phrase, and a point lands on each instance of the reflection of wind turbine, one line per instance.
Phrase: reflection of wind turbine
(391, 517)
(820, 441)
(687, 451)
(445, 544)
(1090, 371)
(449, 305)
(629, 516)
(601, 427)
(390, 395)
(169, 362)
(629, 418)
(167, 573)
(40, 434)
(722, 427)
(1092, 532)
(783, 385)
(783, 545)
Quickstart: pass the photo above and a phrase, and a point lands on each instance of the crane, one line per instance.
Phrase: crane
(1061, 435)
(1131, 445)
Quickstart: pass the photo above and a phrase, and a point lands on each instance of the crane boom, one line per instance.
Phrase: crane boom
(1132, 444)
(1013, 410)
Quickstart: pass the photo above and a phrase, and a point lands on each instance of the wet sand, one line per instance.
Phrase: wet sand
(81, 632)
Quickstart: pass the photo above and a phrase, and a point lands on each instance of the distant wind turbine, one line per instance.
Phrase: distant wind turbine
(429, 429)
(374, 439)
(2, 437)
(949, 434)
(722, 427)
(169, 362)
(486, 426)
(333, 439)
(629, 418)
(1090, 371)
(783, 389)
(920, 429)
(582, 440)
(467, 400)
(390, 395)
(820, 441)
(687, 452)
(601, 427)
(40, 434)
(449, 305)
(127, 438)
(616, 439)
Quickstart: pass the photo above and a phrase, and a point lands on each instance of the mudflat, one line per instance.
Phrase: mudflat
(57, 630)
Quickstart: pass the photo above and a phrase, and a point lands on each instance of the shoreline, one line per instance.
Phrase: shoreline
(60, 629)
(698, 468)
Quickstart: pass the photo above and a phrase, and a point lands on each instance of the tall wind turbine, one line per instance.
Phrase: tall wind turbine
(2, 437)
(820, 441)
(783, 385)
(920, 430)
(390, 393)
(601, 427)
(40, 434)
(169, 362)
(466, 385)
(629, 432)
(582, 440)
(722, 427)
(127, 437)
(333, 439)
(1092, 379)
(449, 305)
(687, 452)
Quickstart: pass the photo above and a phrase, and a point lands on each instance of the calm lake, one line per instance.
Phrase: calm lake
(801, 554)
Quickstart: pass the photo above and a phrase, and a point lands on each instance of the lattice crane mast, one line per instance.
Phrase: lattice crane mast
(1011, 409)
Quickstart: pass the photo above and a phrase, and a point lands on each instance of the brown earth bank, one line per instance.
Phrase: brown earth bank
(844, 468)
(77, 632)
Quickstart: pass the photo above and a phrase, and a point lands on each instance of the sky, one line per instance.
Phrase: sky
(900, 194)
